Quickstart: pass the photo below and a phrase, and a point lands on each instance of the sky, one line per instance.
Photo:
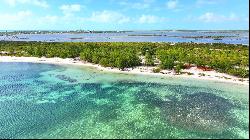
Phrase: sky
(124, 14)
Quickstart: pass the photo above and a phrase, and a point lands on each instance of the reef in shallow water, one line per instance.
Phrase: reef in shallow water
(188, 109)
(203, 112)
(72, 103)
(66, 78)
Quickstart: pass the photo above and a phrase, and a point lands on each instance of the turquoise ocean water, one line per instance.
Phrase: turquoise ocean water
(50, 101)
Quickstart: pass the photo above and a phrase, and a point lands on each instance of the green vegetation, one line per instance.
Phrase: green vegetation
(149, 60)
(178, 68)
(110, 56)
(156, 70)
(231, 59)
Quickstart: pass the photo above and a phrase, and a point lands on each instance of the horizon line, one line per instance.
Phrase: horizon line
(128, 30)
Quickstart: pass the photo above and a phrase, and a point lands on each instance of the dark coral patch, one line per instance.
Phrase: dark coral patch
(66, 78)
(204, 112)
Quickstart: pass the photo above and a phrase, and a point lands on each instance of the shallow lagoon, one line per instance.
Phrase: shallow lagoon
(229, 37)
(50, 101)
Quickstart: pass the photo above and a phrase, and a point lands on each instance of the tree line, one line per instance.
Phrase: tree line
(226, 58)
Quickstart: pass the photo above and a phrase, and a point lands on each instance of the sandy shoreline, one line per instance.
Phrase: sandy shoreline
(196, 73)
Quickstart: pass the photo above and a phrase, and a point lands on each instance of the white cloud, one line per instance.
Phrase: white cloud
(232, 17)
(172, 4)
(211, 17)
(10, 2)
(69, 9)
(27, 20)
(116, 17)
(150, 19)
(15, 20)
(109, 17)
(49, 19)
(246, 19)
(137, 5)
(206, 2)
(15, 16)
(40, 3)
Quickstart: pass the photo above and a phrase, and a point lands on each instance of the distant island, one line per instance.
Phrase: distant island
(4, 32)
(13, 32)
(171, 36)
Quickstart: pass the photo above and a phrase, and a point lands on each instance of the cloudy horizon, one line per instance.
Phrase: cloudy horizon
(124, 15)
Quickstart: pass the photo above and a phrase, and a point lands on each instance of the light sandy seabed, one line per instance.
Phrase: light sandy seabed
(196, 73)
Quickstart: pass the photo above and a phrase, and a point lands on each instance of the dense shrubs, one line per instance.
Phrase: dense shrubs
(156, 70)
(231, 59)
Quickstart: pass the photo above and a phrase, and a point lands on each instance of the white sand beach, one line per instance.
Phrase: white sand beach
(194, 71)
